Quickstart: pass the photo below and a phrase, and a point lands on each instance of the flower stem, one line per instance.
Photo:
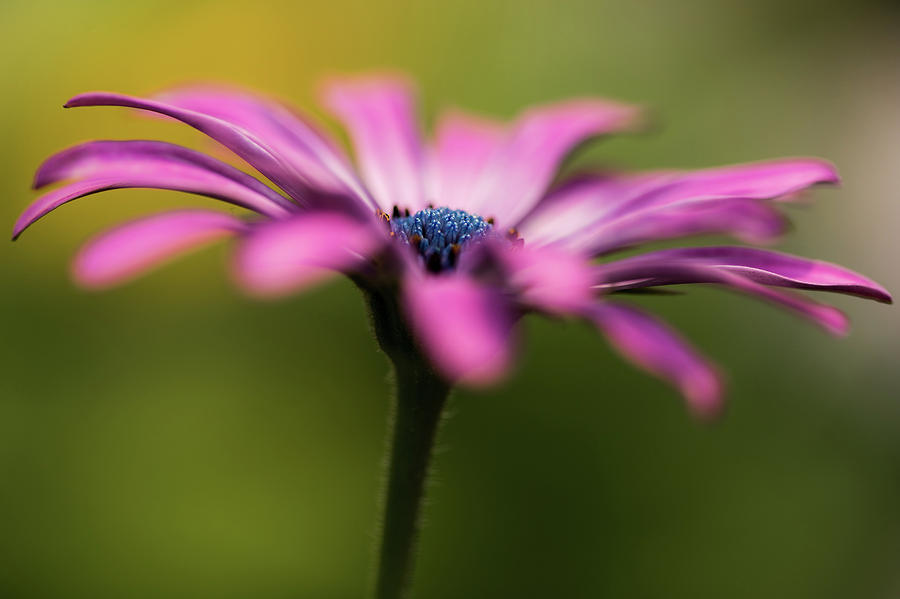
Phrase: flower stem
(420, 395)
(419, 402)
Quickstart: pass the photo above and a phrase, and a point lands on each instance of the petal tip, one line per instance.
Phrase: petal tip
(483, 378)
(43, 176)
(247, 278)
(88, 273)
(84, 278)
(819, 171)
(93, 99)
(705, 398)
(79, 100)
(835, 321)
(877, 292)
(19, 228)
(831, 174)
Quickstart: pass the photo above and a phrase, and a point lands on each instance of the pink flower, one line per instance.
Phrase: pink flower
(466, 233)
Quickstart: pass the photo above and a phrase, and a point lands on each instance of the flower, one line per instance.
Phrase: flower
(466, 233)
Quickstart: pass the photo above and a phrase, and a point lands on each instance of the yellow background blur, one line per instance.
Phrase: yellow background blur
(174, 439)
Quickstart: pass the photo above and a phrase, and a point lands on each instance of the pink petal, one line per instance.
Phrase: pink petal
(762, 266)
(569, 212)
(537, 145)
(131, 249)
(95, 159)
(587, 208)
(656, 348)
(379, 113)
(255, 151)
(584, 215)
(284, 256)
(304, 145)
(828, 317)
(464, 145)
(102, 165)
(772, 179)
(465, 328)
(548, 278)
(749, 220)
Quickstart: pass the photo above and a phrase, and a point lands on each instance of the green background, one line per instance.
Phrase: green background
(174, 439)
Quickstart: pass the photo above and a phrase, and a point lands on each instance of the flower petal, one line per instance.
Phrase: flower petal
(464, 145)
(464, 327)
(284, 256)
(538, 143)
(762, 266)
(567, 214)
(307, 147)
(583, 211)
(379, 113)
(548, 278)
(656, 348)
(749, 220)
(129, 250)
(105, 165)
(828, 317)
(101, 159)
(772, 179)
(252, 149)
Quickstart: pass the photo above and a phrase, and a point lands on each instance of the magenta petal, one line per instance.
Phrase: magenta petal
(464, 146)
(584, 211)
(126, 251)
(658, 349)
(156, 165)
(240, 141)
(760, 180)
(173, 166)
(771, 179)
(139, 157)
(828, 317)
(284, 256)
(548, 278)
(380, 116)
(762, 266)
(749, 220)
(586, 215)
(636, 276)
(464, 327)
(569, 213)
(538, 143)
(308, 148)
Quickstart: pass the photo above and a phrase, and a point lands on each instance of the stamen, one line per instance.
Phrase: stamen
(439, 234)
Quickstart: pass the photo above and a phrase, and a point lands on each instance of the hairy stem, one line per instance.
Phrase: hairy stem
(416, 413)
(420, 395)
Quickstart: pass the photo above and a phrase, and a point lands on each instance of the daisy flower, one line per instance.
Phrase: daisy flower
(451, 240)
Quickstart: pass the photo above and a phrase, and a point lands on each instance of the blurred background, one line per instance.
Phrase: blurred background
(174, 439)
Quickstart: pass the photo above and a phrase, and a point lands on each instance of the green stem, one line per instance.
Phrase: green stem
(416, 413)
(420, 395)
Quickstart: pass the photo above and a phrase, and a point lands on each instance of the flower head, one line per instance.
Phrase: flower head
(469, 231)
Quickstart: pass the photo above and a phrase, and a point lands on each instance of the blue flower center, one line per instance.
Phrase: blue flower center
(438, 234)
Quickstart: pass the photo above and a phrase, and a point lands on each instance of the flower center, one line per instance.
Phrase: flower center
(438, 234)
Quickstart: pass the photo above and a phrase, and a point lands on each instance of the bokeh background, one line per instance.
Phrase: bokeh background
(174, 439)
